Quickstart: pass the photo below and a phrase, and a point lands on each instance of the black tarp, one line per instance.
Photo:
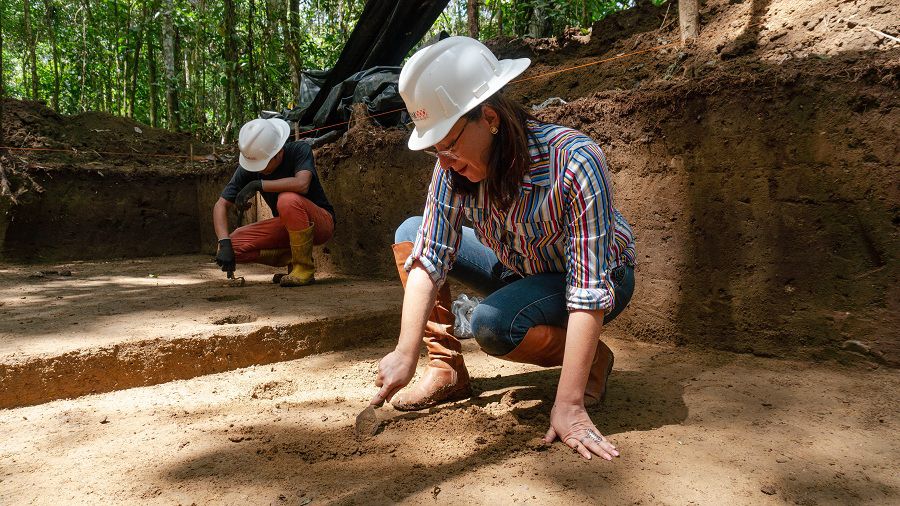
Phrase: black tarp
(375, 87)
(369, 64)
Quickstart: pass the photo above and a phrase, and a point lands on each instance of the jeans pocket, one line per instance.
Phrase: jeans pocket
(623, 283)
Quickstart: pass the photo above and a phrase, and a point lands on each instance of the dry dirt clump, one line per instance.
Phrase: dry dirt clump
(363, 136)
(30, 124)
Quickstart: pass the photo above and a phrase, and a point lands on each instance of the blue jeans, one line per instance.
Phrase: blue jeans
(513, 304)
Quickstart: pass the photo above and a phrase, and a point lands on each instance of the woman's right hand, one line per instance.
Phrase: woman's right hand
(395, 371)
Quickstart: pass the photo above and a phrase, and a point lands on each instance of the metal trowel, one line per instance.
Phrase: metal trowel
(367, 422)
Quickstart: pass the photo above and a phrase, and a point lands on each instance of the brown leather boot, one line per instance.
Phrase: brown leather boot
(445, 377)
(545, 345)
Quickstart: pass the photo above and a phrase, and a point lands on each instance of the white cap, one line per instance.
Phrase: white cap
(447, 79)
(260, 140)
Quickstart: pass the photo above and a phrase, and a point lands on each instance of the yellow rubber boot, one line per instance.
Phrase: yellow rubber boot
(302, 268)
(274, 257)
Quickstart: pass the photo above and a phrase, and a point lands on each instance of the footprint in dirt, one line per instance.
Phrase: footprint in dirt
(233, 319)
(273, 389)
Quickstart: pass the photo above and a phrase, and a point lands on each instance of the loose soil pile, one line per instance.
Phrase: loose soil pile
(98, 141)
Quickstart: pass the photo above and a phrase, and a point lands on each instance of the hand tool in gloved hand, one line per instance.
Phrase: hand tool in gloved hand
(367, 422)
(225, 259)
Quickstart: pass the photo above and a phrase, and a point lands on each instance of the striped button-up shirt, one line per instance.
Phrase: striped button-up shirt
(563, 220)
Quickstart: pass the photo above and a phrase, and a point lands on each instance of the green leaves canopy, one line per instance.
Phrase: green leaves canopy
(107, 55)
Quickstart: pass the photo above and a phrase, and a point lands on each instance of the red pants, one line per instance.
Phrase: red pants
(295, 212)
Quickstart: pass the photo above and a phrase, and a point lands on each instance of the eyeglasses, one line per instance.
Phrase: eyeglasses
(448, 153)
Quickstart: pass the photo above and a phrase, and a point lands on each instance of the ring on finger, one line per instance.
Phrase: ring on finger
(594, 436)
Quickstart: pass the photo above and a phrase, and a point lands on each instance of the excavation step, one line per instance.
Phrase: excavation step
(78, 328)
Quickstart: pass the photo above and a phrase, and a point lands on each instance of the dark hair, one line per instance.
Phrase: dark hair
(509, 158)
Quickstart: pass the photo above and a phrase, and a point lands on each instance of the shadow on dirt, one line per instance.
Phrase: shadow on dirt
(505, 421)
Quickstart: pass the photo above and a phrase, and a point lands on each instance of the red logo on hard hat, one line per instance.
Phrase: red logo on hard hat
(420, 115)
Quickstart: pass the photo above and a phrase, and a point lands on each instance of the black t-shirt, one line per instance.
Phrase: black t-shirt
(297, 156)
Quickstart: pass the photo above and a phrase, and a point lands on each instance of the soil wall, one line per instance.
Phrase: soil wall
(95, 186)
(766, 210)
(94, 214)
(372, 192)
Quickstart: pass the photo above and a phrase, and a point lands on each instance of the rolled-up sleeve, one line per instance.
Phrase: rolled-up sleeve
(589, 228)
(437, 241)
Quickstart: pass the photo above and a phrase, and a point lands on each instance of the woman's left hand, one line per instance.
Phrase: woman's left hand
(572, 425)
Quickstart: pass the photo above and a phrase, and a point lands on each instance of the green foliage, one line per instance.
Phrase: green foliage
(534, 18)
(86, 49)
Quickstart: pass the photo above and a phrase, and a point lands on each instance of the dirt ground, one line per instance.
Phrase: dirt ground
(758, 167)
(693, 427)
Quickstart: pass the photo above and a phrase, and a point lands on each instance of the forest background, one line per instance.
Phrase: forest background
(207, 66)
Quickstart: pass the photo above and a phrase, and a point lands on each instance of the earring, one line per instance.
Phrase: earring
(494, 130)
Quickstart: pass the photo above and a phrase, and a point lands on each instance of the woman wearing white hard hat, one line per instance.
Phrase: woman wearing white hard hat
(546, 242)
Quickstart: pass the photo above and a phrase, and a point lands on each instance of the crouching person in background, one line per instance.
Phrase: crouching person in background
(285, 174)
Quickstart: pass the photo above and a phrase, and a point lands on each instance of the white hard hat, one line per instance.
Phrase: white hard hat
(447, 79)
(260, 140)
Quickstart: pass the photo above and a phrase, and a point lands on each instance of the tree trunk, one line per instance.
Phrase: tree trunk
(109, 87)
(689, 19)
(82, 78)
(52, 15)
(154, 83)
(271, 27)
(232, 115)
(2, 80)
(252, 78)
(136, 61)
(122, 59)
(290, 23)
(181, 85)
(31, 57)
(472, 12)
(196, 54)
(169, 60)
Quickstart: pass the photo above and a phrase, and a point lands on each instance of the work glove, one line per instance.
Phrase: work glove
(242, 201)
(225, 256)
